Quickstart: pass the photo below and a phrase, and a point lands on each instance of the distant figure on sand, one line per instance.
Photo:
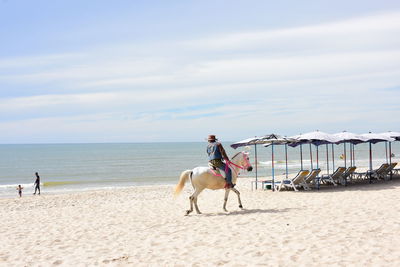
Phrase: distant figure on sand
(216, 153)
(37, 183)
(19, 188)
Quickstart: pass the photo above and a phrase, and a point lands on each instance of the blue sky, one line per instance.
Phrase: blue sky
(149, 71)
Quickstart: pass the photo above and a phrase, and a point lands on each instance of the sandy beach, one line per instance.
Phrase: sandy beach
(358, 225)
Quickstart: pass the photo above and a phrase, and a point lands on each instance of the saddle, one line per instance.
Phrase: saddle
(216, 171)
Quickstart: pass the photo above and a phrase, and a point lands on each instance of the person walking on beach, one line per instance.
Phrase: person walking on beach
(216, 154)
(19, 188)
(37, 183)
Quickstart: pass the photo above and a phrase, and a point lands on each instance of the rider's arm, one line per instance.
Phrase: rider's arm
(223, 153)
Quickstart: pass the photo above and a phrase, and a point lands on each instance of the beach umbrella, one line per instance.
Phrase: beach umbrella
(347, 137)
(316, 138)
(248, 142)
(373, 138)
(256, 141)
(272, 140)
(396, 136)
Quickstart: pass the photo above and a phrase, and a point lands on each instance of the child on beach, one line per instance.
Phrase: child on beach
(19, 188)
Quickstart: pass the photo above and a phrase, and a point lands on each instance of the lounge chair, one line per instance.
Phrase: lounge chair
(292, 183)
(310, 178)
(334, 178)
(391, 169)
(381, 172)
(396, 171)
(376, 174)
(348, 174)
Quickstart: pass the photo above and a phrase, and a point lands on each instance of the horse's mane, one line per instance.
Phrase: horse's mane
(236, 155)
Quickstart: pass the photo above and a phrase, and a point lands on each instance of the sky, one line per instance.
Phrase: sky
(165, 71)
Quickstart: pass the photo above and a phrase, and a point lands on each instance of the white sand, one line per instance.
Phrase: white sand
(358, 225)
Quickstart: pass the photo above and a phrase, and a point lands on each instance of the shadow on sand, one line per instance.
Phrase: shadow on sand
(364, 185)
(245, 211)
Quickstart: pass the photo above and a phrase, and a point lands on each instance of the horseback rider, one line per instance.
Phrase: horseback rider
(216, 153)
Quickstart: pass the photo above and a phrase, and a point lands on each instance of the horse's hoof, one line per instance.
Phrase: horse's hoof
(225, 210)
(198, 212)
(240, 206)
(188, 212)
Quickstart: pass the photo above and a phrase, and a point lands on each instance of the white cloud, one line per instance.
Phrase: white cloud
(363, 28)
(285, 80)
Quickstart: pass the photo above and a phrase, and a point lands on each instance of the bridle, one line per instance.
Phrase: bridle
(244, 167)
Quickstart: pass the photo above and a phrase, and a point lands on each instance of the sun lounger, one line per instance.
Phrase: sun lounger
(396, 171)
(334, 178)
(381, 172)
(310, 178)
(390, 170)
(348, 174)
(292, 183)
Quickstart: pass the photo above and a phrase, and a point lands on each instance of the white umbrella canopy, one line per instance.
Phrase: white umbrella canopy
(395, 135)
(353, 138)
(277, 140)
(376, 138)
(316, 137)
(245, 142)
(265, 139)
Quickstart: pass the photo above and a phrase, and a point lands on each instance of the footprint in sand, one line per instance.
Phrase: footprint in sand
(57, 262)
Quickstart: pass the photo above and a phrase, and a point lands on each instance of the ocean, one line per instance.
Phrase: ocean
(80, 167)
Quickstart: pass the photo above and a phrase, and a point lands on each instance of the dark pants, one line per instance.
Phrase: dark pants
(221, 165)
(37, 187)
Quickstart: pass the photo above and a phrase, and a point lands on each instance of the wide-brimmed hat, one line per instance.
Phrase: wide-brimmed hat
(211, 137)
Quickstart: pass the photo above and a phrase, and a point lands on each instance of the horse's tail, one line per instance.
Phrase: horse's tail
(182, 180)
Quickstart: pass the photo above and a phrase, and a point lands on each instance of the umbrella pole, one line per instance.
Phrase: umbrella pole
(344, 154)
(390, 159)
(386, 152)
(255, 156)
(351, 155)
(370, 162)
(286, 161)
(333, 158)
(273, 171)
(327, 159)
(311, 157)
(317, 158)
(354, 154)
(301, 156)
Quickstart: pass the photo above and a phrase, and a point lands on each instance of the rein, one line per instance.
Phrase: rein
(230, 163)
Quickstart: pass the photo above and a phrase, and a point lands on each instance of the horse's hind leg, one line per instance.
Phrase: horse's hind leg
(193, 200)
(226, 197)
(191, 205)
(195, 195)
(238, 194)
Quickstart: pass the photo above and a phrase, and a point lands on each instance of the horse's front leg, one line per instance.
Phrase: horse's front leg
(227, 190)
(238, 194)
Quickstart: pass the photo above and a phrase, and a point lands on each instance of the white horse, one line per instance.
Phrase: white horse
(202, 177)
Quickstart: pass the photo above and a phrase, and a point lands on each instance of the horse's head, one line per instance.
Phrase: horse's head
(243, 161)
